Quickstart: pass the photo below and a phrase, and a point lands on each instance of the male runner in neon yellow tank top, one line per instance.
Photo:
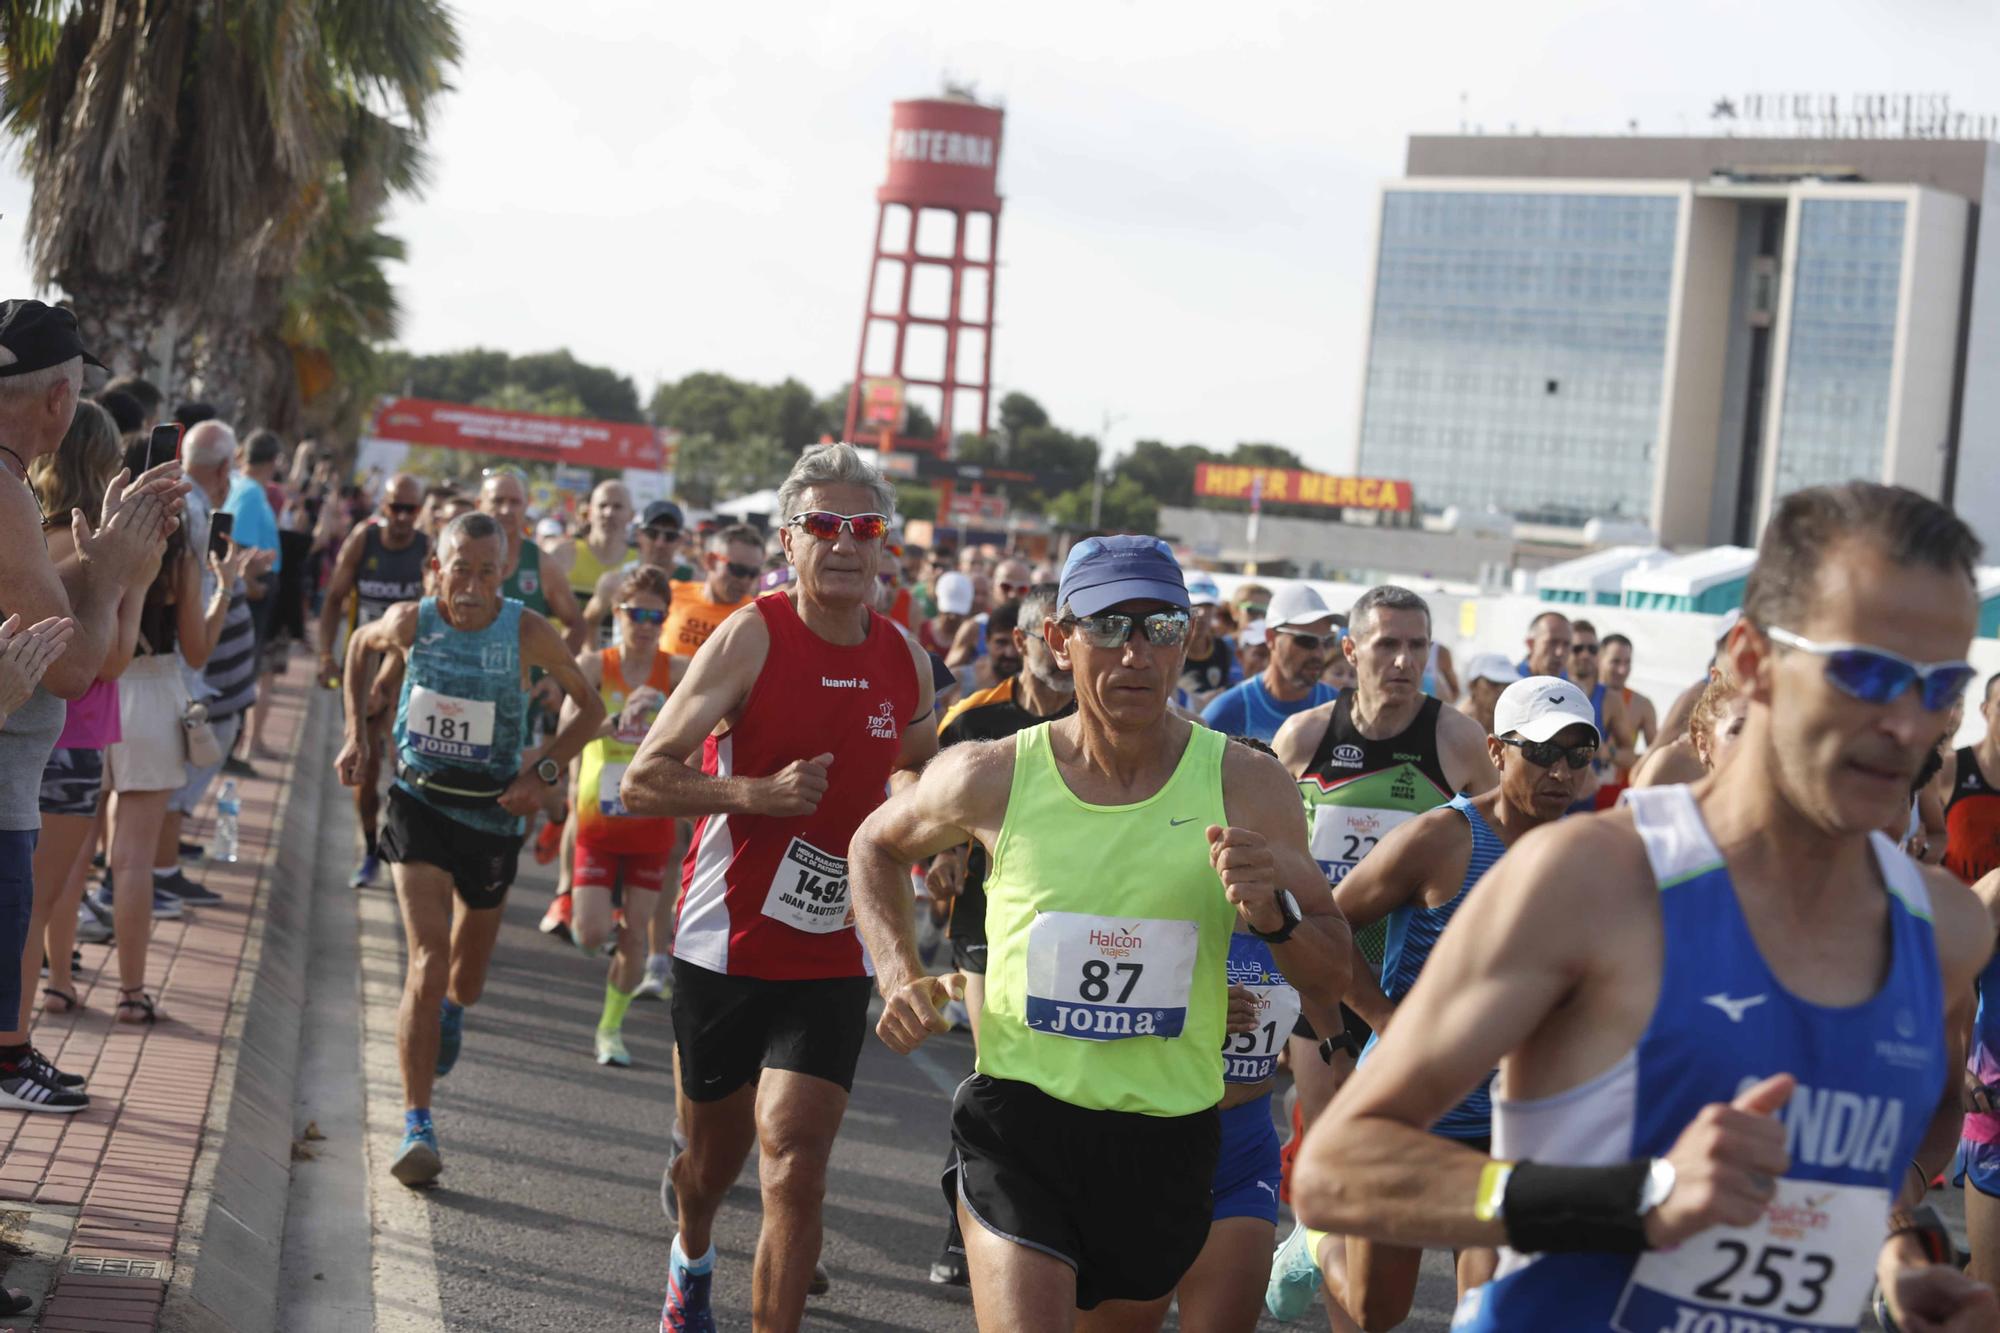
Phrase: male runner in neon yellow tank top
(1087, 1140)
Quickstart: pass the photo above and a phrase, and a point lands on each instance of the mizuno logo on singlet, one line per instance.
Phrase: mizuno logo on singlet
(1829, 1127)
(1734, 1008)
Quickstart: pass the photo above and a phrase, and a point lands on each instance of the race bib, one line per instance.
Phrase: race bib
(1805, 1268)
(809, 892)
(609, 803)
(1097, 978)
(1252, 1057)
(1342, 835)
(444, 726)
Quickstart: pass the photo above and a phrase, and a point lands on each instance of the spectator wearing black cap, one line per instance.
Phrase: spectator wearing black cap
(41, 376)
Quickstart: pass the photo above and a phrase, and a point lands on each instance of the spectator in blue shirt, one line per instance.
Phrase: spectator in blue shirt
(256, 525)
(1300, 631)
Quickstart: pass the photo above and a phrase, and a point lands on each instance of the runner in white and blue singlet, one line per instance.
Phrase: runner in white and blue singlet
(1726, 1076)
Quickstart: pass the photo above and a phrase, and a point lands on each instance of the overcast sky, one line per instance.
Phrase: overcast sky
(1189, 186)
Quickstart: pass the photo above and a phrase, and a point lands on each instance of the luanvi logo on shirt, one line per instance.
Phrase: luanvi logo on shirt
(850, 683)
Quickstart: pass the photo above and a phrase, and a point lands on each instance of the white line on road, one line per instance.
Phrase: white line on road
(406, 1279)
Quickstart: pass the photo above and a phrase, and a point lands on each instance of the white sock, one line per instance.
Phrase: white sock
(696, 1267)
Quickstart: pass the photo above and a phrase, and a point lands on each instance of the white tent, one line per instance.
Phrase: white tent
(758, 502)
(1710, 582)
(1596, 579)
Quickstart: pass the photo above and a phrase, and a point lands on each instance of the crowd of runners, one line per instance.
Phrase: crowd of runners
(1656, 1022)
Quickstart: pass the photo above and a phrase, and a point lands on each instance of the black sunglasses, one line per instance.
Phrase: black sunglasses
(403, 509)
(1589, 648)
(1543, 754)
(663, 534)
(1312, 643)
(736, 571)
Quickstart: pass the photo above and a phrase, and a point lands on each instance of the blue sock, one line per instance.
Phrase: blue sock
(416, 1120)
(694, 1267)
(450, 1008)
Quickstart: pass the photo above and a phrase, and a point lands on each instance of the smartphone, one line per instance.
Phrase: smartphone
(220, 525)
(164, 445)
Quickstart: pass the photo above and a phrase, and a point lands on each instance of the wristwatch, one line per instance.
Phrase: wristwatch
(1288, 911)
(1658, 1185)
(548, 771)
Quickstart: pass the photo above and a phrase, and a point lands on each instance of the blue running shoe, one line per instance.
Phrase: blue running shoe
(1294, 1277)
(686, 1309)
(366, 873)
(451, 1036)
(417, 1162)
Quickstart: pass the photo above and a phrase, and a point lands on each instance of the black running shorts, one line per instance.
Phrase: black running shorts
(1124, 1199)
(481, 864)
(727, 1028)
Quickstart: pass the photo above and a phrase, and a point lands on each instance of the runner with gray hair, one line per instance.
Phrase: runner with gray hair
(835, 465)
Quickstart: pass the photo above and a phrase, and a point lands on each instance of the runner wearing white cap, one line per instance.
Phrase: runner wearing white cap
(1486, 676)
(1545, 735)
(1301, 636)
(1253, 647)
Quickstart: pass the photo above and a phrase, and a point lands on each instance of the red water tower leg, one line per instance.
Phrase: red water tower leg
(867, 318)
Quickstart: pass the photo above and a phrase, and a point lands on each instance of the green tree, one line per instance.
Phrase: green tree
(917, 423)
(184, 155)
(1265, 455)
(1165, 471)
(1065, 460)
(708, 470)
(1018, 412)
(983, 450)
(914, 500)
(1125, 507)
(555, 383)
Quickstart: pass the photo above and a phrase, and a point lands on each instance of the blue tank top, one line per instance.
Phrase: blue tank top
(1869, 1077)
(1597, 695)
(460, 713)
(1413, 931)
(1983, 1060)
(1252, 1057)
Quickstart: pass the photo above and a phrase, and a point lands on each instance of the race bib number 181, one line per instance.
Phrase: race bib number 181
(1805, 1268)
(1099, 979)
(444, 726)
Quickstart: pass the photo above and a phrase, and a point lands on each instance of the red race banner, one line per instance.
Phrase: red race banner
(606, 444)
(1273, 485)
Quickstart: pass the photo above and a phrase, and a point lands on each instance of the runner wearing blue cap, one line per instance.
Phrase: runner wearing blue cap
(1125, 845)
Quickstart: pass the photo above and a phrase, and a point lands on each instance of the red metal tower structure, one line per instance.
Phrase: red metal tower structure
(944, 159)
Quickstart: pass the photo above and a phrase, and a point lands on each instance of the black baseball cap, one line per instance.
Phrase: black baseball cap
(662, 511)
(39, 336)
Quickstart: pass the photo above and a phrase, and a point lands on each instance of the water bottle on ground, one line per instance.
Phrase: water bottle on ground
(222, 847)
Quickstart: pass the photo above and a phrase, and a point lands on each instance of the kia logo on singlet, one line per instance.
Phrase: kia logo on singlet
(1347, 756)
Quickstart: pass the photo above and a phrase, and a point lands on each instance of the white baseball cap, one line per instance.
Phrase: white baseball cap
(1297, 604)
(1729, 619)
(549, 527)
(1202, 591)
(1537, 707)
(954, 593)
(1492, 666)
(1252, 634)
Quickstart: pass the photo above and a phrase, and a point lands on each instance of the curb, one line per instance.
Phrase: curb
(226, 1269)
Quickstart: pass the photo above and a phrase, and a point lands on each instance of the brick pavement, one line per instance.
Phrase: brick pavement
(124, 1166)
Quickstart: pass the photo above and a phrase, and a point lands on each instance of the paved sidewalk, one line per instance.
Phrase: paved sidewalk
(123, 1168)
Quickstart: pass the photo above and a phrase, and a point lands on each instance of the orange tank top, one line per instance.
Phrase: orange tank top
(691, 617)
(600, 818)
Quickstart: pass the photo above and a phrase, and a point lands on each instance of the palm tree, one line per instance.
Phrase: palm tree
(186, 153)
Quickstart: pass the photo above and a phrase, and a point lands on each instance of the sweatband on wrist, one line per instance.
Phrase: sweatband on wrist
(1575, 1209)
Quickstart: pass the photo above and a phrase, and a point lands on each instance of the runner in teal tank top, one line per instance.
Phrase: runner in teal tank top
(1125, 844)
(463, 782)
(1729, 1017)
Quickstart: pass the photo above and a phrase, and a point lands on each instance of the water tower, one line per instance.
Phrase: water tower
(927, 322)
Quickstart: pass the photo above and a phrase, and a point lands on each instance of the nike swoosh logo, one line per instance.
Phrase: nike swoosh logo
(1734, 1008)
(1176, 823)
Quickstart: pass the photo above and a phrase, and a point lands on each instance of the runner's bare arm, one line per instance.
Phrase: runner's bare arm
(1669, 764)
(1260, 799)
(1462, 750)
(591, 664)
(1616, 749)
(346, 569)
(962, 795)
(1393, 875)
(604, 596)
(1447, 676)
(391, 635)
(1963, 923)
(920, 734)
(662, 780)
(542, 647)
(1300, 736)
(964, 645)
(563, 607)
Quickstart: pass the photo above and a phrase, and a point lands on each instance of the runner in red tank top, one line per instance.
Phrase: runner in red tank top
(802, 711)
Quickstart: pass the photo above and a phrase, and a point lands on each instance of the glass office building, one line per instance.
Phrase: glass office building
(1680, 332)
(1519, 349)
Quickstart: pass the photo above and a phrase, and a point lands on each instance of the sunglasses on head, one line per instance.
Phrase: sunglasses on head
(1164, 629)
(403, 509)
(1543, 754)
(1312, 643)
(825, 526)
(644, 615)
(1875, 676)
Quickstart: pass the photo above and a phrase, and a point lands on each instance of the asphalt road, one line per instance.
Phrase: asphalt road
(548, 1216)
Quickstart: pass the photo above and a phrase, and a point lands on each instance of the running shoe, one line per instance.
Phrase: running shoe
(555, 921)
(948, 1269)
(686, 1309)
(451, 1037)
(185, 889)
(166, 907)
(548, 843)
(365, 873)
(821, 1284)
(417, 1162)
(46, 1070)
(670, 1203)
(1294, 1277)
(654, 986)
(611, 1050)
(23, 1089)
(191, 851)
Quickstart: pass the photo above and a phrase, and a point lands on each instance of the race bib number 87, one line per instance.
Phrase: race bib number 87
(1094, 978)
(1805, 1268)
